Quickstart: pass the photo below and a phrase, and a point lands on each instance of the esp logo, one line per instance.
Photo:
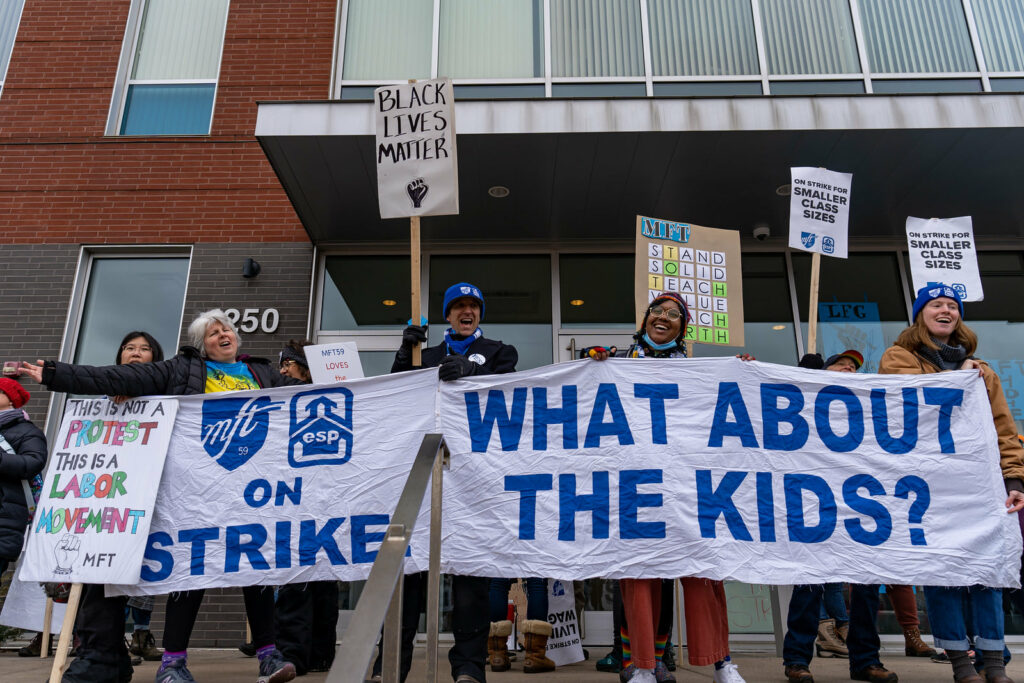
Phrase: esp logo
(234, 429)
(320, 431)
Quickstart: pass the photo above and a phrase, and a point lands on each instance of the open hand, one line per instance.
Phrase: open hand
(33, 371)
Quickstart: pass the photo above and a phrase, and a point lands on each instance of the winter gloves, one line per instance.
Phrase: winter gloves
(453, 367)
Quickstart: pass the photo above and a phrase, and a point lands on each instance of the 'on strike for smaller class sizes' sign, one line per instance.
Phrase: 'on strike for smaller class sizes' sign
(819, 210)
(417, 165)
(943, 250)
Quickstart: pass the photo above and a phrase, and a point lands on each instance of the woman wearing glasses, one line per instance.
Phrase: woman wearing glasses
(648, 609)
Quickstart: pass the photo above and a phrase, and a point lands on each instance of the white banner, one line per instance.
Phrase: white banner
(417, 163)
(725, 469)
(331, 363)
(943, 250)
(25, 607)
(819, 210)
(96, 504)
(287, 485)
(565, 645)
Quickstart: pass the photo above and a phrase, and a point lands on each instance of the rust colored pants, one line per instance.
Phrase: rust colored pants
(707, 620)
(641, 601)
(904, 604)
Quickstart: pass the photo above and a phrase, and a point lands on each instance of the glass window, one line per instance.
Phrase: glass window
(809, 37)
(726, 89)
(767, 312)
(127, 294)
(517, 300)
(861, 304)
(175, 66)
(817, 87)
(491, 39)
(596, 38)
(10, 17)
(597, 290)
(702, 37)
(388, 39)
(1001, 30)
(366, 292)
(909, 36)
(926, 85)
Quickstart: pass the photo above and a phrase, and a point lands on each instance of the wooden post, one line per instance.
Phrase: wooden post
(812, 321)
(414, 261)
(44, 648)
(61, 656)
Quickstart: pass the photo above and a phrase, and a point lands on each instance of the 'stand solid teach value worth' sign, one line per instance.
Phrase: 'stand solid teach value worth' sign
(727, 470)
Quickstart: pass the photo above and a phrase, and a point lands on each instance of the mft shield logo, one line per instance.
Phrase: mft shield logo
(234, 429)
(321, 428)
(807, 239)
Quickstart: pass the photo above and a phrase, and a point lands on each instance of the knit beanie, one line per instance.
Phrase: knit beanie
(855, 356)
(460, 290)
(935, 291)
(289, 353)
(14, 391)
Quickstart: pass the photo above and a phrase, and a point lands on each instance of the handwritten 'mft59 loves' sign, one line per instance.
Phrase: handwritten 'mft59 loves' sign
(95, 508)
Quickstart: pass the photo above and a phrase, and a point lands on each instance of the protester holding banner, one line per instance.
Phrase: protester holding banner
(806, 631)
(22, 457)
(464, 352)
(939, 341)
(209, 364)
(305, 614)
(661, 335)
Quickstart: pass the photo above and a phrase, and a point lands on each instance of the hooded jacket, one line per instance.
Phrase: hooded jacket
(899, 361)
(29, 459)
(183, 374)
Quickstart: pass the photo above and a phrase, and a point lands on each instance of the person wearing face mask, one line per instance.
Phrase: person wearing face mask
(210, 363)
(464, 352)
(647, 607)
(940, 341)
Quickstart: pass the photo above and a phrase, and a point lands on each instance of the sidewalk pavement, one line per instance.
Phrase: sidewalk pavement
(229, 666)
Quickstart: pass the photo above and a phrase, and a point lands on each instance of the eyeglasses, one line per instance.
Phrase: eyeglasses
(131, 348)
(287, 363)
(670, 313)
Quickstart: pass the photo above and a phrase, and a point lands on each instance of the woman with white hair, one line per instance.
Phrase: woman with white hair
(210, 364)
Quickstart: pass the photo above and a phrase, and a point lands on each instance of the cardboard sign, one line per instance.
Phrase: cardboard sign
(703, 266)
(819, 210)
(330, 363)
(943, 250)
(94, 512)
(417, 164)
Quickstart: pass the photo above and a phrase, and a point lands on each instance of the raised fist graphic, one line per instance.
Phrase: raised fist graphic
(66, 552)
(417, 190)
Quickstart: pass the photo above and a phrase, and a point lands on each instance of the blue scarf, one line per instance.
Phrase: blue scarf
(459, 346)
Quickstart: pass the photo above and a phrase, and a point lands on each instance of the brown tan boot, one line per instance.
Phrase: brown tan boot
(842, 632)
(915, 646)
(535, 642)
(828, 643)
(497, 645)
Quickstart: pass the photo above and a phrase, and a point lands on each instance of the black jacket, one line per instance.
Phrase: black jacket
(182, 374)
(499, 358)
(29, 459)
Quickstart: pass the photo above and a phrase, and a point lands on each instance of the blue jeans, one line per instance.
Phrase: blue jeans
(833, 606)
(802, 626)
(536, 598)
(949, 624)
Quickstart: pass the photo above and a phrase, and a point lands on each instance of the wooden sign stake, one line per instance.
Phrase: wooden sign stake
(414, 260)
(61, 656)
(812, 322)
(44, 649)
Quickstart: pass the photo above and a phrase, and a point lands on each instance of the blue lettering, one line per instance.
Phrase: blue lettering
(630, 501)
(311, 541)
(657, 393)
(866, 506)
(198, 539)
(544, 416)
(712, 503)
(528, 485)
(234, 547)
(772, 416)
(855, 418)
(880, 421)
(282, 546)
(946, 399)
(799, 532)
(510, 425)
(729, 397)
(154, 554)
(292, 494)
(607, 399)
(569, 504)
(765, 508)
(254, 487)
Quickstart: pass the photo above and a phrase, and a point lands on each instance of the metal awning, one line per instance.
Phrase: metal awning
(583, 169)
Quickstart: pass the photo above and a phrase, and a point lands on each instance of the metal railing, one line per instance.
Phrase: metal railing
(382, 596)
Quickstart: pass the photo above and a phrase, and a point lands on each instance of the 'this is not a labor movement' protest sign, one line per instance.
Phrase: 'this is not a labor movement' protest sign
(943, 250)
(819, 210)
(95, 508)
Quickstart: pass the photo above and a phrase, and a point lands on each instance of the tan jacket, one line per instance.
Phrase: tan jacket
(898, 361)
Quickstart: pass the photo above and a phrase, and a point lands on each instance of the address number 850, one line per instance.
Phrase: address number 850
(249, 320)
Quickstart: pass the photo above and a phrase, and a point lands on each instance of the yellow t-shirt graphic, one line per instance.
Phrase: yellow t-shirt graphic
(228, 377)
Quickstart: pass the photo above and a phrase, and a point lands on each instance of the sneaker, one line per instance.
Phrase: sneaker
(729, 673)
(611, 662)
(876, 674)
(174, 672)
(627, 673)
(644, 676)
(274, 669)
(669, 657)
(662, 674)
(247, 649)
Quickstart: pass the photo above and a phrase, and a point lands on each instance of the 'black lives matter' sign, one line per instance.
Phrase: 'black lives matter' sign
(417, 165)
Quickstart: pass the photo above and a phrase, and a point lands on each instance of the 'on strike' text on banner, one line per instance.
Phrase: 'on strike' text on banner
(727, 470)
(287, 485)
(819, 210)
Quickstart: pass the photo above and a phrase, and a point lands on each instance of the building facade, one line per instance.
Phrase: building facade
(149, 148)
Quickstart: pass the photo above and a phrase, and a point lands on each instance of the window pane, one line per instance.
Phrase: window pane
(168, 110)
(388, 39)
(909, 36)
(861, 304)
(596, 290)
(1001, 29)
(356, 289)
(491, 39)
(702, 37)
(180, 39)
(10, 16)
(809, 37)
(127, 294)
(596, 38)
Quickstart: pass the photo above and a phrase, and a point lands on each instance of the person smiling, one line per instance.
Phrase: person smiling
(939, 341)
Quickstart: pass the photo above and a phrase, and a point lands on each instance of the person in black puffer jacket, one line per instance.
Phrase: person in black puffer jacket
(210, 364)
(22, 456)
